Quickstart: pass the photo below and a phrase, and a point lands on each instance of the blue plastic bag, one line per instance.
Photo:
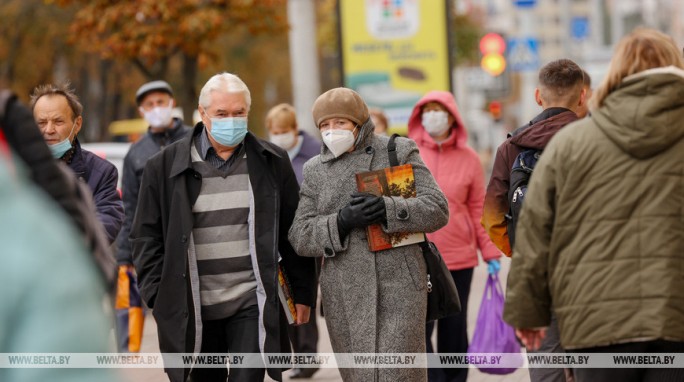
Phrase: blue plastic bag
(492, 334)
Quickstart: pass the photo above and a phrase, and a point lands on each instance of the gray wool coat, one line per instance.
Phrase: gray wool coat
(373, 302)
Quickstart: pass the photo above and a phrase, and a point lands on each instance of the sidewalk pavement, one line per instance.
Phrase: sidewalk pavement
(150, 345)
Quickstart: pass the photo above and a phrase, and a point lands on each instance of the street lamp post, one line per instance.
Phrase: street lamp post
(301, 15)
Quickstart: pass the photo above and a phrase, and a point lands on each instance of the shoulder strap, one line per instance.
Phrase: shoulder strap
(527, 159)
(394, 161)
(392, 151)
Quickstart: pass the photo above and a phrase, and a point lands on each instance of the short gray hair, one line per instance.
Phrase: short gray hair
(224, 82)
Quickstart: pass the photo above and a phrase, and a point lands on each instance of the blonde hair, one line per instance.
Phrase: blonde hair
(380, 115)
(285, 113)
(640, 50)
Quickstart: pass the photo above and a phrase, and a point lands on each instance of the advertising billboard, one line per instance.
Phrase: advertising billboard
(395, 51)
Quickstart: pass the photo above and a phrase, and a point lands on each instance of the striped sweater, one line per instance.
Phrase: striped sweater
(221, 238)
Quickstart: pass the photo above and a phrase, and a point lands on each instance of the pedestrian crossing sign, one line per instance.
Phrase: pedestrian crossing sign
(523, 54)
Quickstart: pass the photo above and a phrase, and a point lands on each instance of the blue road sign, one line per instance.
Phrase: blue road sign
(524, 3)
(579, 28)
(523, 54)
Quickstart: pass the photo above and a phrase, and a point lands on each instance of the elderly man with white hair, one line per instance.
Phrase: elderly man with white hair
(210, 233)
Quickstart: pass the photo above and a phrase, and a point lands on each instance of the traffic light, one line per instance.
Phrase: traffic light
(495, 110)
(492, 47)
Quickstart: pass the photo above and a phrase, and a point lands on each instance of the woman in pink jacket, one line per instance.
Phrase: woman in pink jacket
(437, 128)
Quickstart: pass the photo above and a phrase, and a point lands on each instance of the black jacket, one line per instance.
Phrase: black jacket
(133, 166)
(162, 233)
(101, 177)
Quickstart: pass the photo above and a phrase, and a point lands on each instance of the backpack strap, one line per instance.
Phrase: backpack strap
(392, 151)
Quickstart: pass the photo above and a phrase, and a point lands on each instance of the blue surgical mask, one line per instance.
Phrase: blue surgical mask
(229, 131)
(59, 149)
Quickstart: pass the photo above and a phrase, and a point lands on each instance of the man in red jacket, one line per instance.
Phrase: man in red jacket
(561, 95)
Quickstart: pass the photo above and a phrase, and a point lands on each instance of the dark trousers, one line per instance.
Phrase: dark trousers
(304, 338)
(632, 375)
(452, 332)
(550, 344)
(236, 334)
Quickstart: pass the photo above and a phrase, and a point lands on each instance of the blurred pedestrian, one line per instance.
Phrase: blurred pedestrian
(55, 179)
(58, 114)
(374, 302)
(379, 120)
(212, 220)
(560, 93)
(155, 104)
(51, 294)
(281, 123)
(601, 246)
(436, 126)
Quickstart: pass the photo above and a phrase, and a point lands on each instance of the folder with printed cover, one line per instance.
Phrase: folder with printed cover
(286, 297)
(390, 181)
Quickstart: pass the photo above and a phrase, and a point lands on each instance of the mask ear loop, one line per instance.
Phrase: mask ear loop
(71, 131)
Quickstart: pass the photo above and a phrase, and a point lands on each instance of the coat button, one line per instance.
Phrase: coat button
(402, 214)
(183, 275)
(185, 314)
(328, 252)
(370, 150)
(184, 239)
(197, 176)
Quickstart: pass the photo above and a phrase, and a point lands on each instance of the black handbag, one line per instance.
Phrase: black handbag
(442, 295)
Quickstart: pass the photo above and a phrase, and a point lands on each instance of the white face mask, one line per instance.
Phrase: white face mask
(159, 116)
(436, 123)
(284, 140)
(338, 141)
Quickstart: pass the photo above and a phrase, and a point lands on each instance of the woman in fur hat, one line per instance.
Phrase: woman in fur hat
(374, 302)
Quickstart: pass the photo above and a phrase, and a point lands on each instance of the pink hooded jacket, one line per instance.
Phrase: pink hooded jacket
(457, 169)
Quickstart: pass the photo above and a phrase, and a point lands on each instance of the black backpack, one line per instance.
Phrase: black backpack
(520, 176)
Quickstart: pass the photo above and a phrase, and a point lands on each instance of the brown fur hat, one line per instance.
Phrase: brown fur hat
(340, 103)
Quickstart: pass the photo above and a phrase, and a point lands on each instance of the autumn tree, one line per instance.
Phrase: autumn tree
(152, 33)
(34, 51)
(330, 59)
(466, 31)
(32, 44)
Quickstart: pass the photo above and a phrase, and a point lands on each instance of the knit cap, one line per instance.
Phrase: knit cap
(340, 103)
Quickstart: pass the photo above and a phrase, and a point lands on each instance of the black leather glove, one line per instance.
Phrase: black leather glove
(362, 211)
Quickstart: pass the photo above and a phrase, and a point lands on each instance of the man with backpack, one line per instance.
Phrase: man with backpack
(560, 93)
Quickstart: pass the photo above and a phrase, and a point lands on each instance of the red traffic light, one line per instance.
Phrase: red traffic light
(492, 43)
(495, 109)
